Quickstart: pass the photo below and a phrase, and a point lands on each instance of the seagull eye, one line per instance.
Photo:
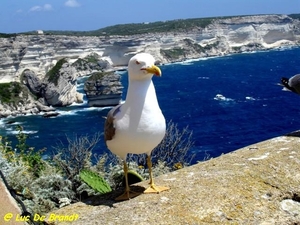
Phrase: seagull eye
(137, 62)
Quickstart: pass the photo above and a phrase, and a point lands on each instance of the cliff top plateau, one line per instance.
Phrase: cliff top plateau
(179, 25)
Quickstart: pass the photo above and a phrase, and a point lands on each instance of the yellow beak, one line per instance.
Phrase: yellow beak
(154, 70)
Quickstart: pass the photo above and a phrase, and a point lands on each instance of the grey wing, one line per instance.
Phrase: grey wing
(109, 128)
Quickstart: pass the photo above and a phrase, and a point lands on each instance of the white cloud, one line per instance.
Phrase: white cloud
(35, 8)
(72, 3)
(46, 7)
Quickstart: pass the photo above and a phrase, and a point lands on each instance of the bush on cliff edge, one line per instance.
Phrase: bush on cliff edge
(49, 184)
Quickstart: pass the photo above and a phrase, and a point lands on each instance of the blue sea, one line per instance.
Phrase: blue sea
(252, 106)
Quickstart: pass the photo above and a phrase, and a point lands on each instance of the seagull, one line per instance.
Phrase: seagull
(137, 126)
(291, 84)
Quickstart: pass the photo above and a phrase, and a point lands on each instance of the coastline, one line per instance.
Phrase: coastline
(37, 108)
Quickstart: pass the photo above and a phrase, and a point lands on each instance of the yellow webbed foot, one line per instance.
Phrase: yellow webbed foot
(127, 195)
(155, 189)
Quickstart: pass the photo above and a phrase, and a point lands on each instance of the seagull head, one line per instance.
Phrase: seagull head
(141, 67)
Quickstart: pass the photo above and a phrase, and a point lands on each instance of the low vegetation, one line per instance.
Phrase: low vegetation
(179, 25)
(173, 53)
(12, 93)
(53, 74)
(3, 35)
(188, 46)
(64, 177)
(157, 27)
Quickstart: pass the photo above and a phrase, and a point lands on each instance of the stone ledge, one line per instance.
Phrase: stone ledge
(258, 184)
(8, 206)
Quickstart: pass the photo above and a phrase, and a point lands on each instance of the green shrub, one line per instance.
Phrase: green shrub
(4, 35)
(92, 58)
(31, 158)
(174, 53)
(53, 74)
(198, 48)
(9, 92)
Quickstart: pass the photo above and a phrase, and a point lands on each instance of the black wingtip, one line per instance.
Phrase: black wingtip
(285, 81)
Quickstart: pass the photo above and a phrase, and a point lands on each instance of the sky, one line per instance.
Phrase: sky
(85, 15)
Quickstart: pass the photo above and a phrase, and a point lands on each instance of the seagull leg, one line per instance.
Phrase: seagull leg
(153, 188)
(127, 194)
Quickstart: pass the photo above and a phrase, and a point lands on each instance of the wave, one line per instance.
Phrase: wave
(97, 108)
(250, 98)
(120, 72)
(84, 103)
(7, 124)
(220, 97)
(80, 86)
(2, 124)
(14, 132)
(73, 112)
(184, 63)
(82, 79)
(190, 62)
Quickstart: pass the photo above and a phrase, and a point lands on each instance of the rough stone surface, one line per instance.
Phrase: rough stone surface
(258, 184)
(10, 205)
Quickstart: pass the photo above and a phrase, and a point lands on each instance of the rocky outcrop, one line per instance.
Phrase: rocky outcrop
(103, 89)
(32, 82)
(40, 53)
(258, 184)
(90, 64)
(33, 95)
(21, 107)
(59, 88)
(16, 99)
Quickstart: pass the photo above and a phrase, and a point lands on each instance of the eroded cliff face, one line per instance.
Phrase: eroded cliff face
(40, 53)
(103, 89)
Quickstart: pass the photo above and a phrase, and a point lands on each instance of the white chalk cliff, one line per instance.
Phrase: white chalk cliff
(39, 53)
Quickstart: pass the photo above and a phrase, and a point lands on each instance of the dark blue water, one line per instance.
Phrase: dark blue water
(254, 108)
